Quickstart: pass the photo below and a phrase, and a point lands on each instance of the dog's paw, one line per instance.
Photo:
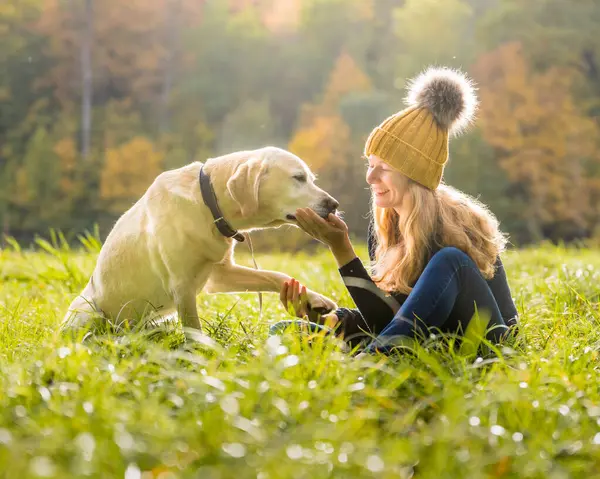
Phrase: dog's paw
(319, 303)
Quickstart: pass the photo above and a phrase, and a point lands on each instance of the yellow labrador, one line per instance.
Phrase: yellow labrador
(166, 248)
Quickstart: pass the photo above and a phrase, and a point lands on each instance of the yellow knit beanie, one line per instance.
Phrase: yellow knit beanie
(414, 141)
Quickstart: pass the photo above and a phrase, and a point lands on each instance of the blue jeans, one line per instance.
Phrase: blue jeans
(445, 298)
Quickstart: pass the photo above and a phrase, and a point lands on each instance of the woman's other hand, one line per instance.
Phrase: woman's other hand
(331, 231)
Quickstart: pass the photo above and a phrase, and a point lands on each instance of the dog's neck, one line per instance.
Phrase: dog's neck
(230, 209)
(210, 200)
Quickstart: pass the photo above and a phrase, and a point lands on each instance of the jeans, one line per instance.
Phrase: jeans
(445, 298)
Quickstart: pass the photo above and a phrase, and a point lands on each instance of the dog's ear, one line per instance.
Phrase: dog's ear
(244, 185)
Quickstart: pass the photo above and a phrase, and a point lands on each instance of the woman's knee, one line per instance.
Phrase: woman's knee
(452, 255)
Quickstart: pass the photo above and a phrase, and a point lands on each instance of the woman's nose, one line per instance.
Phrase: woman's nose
(371, 176)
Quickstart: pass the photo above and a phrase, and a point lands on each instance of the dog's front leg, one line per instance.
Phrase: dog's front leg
(187, 310)
(232, 278)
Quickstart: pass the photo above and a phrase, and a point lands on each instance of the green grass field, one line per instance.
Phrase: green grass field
(242, 406)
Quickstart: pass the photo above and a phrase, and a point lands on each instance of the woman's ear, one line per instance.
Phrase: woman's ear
(244, 185)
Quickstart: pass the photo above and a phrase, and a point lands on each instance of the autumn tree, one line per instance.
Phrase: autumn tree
(554, 33)
(432, 32)
(542, 141)
(123, 181)
(324, 139)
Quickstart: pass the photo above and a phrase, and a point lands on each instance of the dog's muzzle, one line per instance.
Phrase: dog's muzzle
(323, 209)
(328, 206)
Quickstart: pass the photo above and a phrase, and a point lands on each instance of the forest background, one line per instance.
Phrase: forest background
(97, 97)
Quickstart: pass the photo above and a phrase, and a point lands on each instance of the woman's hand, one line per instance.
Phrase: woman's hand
(331, 231)
(294, 298)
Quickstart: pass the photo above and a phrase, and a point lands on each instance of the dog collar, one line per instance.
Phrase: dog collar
(210, 200)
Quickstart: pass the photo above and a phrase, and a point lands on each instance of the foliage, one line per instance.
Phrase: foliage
(121, 182)
(197, 79)
(545, 145)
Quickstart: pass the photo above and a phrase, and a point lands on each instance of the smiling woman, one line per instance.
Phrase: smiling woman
(387, 185)
(435, 251)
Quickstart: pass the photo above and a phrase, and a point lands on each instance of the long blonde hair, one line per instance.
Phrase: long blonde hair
(427, 221)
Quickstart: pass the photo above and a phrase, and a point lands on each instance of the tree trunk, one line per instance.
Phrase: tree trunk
(87, 78)
(5, 227)
(171, 28)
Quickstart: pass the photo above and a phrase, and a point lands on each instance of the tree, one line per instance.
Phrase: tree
(128, 171)
(21, 62)
(247, 127)
(345, 78)
(87, 34)
(325, 141)
(554, 33)
(542, 141)
(433, 32)
(473, 168)
(172, 51)
(323, 135)
(281, 16)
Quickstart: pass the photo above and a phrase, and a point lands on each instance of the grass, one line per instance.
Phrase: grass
(245, 406)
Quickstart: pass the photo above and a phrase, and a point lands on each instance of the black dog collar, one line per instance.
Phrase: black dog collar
(210, 200)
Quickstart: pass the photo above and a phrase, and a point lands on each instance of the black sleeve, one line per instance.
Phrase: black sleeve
(501, 291)
(376, 308)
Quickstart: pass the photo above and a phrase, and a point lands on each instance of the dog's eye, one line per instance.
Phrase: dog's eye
(301, 178)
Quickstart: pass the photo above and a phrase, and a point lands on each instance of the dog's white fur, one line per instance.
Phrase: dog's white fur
(166, 249)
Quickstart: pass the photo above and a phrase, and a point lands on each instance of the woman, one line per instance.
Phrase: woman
(434, 250)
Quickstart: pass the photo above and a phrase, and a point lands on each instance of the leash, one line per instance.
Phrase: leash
(260, 299)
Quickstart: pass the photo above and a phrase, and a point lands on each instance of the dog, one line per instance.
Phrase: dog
(169, 246)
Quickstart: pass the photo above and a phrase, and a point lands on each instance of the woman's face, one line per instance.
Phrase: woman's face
(387, 185)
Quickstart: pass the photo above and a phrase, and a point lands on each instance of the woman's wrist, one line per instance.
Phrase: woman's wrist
(343, 252)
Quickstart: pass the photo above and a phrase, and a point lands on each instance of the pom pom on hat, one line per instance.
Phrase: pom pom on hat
(448, 94)
(414, 141)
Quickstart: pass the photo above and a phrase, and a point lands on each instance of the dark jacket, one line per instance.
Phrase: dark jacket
(376, 308)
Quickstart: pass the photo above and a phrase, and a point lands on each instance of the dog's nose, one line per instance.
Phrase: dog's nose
(331, 204)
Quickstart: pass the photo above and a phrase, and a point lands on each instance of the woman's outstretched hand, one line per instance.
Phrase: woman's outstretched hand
(294, 298)
(331, 231)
